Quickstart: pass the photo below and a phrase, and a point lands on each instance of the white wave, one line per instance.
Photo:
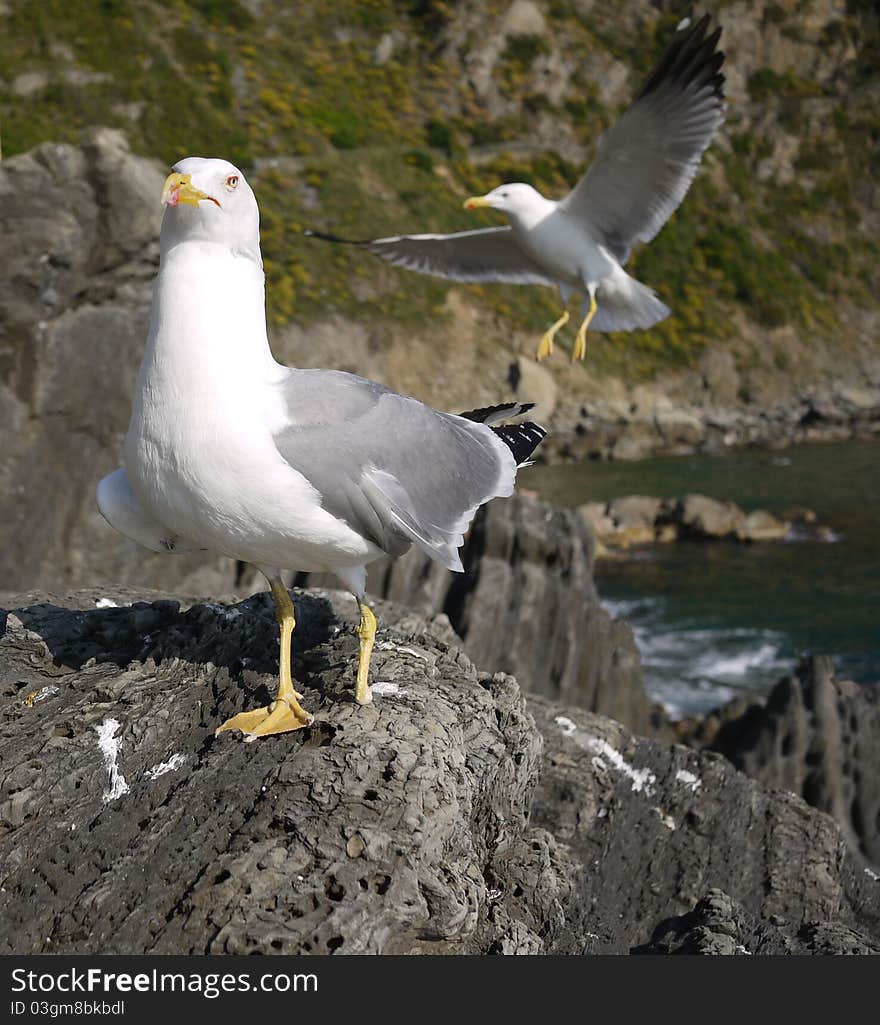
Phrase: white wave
(691, 669)
(717, 665)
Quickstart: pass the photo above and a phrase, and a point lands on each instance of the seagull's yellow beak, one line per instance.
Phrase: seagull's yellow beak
(475, 201)
(179, 188)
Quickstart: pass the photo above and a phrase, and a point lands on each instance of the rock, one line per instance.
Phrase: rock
(634, 442)
(860, 400)
(680, 430)
(530, 382)
(422, 823)
(527, 605)
(633, 518)
(524, 18)
(649, 401)
(595, 516)
(698, 516)
(640, 519)
(635, 510)
(762, 526)
(720, 376)
(656, 828)
(820, 738)
(622, 522)
(719, 925)
(130, 828)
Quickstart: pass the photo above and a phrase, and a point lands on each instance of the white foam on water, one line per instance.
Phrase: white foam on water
(693, 670)
(718, 665)
(108, 742)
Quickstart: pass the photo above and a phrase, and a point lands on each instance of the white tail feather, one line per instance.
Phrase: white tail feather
(625, 304)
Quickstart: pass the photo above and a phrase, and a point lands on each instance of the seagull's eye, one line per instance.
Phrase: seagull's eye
(504, 195)
(232, 181)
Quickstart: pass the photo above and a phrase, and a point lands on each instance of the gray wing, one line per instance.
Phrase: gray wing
(647, 161)
(395, 470)
(489, 254)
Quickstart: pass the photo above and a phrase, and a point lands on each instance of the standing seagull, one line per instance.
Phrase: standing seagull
(313, 470)
(643, 168)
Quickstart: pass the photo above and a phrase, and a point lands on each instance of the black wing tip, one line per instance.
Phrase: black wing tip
(692, 56)
(503, 411)
(521, 439)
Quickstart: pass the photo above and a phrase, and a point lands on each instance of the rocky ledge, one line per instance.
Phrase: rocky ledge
(447, 817)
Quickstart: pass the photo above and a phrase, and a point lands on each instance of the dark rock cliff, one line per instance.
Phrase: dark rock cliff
(818, 737)
(527, 605)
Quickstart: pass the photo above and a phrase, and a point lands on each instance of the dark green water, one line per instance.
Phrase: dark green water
(715, 619)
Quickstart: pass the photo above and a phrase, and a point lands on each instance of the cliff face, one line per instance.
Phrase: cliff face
(78, 230)
(370, 119)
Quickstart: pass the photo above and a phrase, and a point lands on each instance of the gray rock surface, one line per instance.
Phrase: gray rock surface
(527, 605)
(655, 828)
(719, 925)
(372, 831)
(426, 822)
(820, 738)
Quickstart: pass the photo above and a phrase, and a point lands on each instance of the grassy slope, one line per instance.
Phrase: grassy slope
(366, 148)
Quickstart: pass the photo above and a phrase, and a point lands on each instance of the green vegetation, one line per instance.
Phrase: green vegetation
(375, 138)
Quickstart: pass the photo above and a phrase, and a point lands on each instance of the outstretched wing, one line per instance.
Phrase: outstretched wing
(647, 161)
(489, 254)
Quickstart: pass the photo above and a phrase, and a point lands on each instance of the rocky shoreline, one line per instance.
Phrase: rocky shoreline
(653, 420)
(645, 520)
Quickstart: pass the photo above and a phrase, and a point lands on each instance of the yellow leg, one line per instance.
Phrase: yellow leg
(580, 342)
(546, 347)
(367, 634)
(285, 713)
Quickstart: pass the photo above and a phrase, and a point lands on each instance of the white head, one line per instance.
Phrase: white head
(516, 199)
(208, 200)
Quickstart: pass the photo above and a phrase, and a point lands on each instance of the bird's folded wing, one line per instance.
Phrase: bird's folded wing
(648, 159)
(396, 471)
(489, 254)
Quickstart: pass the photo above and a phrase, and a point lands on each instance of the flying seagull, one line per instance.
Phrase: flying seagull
(642, 170)
(317, 470)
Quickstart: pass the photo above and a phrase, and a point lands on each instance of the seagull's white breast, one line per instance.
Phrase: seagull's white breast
(199, 451)
(564, 245)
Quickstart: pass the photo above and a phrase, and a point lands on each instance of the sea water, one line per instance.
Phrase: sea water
(717, 619)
